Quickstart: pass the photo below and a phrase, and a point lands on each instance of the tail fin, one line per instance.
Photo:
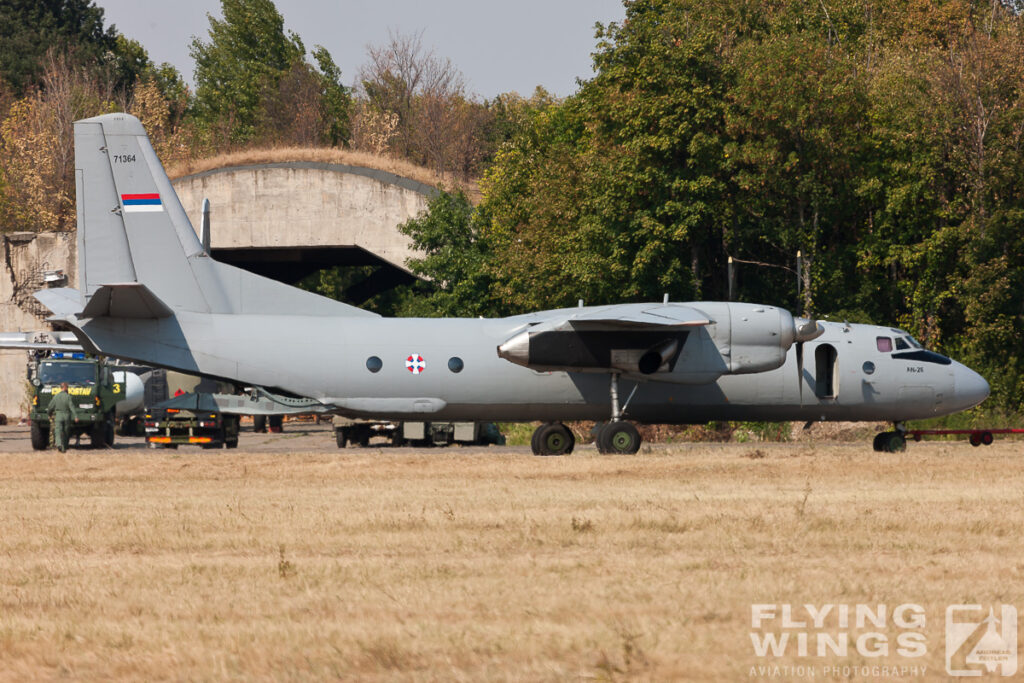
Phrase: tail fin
(133, 229)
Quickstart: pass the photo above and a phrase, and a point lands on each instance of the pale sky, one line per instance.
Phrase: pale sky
(498, 46)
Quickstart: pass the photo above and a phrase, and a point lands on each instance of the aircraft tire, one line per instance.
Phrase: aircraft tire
(618, 438)
(259, 423)
(341, 437)
(40, 436)
(879, 443)
(553, 438)
(896, 443)
(535, 439)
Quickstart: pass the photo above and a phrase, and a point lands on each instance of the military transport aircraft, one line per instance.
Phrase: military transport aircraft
(150, 293)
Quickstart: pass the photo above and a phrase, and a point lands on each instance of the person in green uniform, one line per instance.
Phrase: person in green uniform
(62, 409)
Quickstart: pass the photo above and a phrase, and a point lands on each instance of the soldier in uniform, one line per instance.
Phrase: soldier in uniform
(62, 409)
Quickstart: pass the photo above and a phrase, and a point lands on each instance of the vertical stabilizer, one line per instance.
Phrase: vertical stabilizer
(131, 227)
(139, 255)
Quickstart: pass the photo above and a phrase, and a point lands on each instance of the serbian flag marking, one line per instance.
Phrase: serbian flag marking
(141, 202)
(415, 364)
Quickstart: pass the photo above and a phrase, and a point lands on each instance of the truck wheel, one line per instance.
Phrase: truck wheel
(97, 435)
(110, 435)
(232, 442)
(40, 436)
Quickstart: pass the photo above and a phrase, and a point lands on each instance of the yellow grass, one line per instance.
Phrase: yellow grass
(483, 564)
(326, 155)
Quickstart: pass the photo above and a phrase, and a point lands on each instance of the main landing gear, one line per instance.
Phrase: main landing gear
(614, 436)
(891, 442)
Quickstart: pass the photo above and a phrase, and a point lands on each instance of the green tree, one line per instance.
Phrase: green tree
(336, 100)
(247, 52)
(455, 253)
(31, 28)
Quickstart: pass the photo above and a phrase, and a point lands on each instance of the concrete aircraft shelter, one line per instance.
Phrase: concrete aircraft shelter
(289, 219)
(283, 220)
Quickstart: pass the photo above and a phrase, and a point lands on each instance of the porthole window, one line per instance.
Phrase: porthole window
(374, 364)
(869, 367)
(455, 364)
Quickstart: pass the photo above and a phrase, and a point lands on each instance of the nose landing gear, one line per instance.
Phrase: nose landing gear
(891, 442)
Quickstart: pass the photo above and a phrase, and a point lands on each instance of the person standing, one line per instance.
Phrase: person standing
(63, 410)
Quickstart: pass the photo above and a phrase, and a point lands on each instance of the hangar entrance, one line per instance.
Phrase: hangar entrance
(287, 220)
(291, 265)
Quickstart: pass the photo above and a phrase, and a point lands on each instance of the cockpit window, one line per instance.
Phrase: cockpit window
(901, 345)
(913, 342)
(884, 344)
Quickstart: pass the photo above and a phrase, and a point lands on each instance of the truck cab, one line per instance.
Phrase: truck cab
(92, 388)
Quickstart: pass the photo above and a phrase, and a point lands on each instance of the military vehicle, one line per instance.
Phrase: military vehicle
(191, 419)
(152, 294)
(91, 384)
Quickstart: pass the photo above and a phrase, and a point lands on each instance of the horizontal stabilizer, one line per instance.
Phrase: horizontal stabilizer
(62, 301)
(127, 300)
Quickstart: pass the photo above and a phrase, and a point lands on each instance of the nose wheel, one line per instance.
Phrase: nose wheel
(890, 442)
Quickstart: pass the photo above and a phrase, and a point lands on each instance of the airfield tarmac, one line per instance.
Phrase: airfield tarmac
(291, 559)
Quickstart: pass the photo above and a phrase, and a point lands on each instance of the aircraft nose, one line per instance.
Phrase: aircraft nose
(969, 387)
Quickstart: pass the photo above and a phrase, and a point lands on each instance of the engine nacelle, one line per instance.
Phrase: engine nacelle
(756, 338)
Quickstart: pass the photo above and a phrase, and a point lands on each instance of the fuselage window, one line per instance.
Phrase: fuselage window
(884, 344)
(825, 371)
(901, 345)
(374, 364)
(455, 364)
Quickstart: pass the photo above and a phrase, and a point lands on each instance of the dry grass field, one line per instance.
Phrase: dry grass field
(484, 564)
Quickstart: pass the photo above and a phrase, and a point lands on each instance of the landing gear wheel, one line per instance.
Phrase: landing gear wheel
(535, 440)
(341, 438)
(890, 442)
(40, 436)
(553, 438)
(618, 438)
(259, 423)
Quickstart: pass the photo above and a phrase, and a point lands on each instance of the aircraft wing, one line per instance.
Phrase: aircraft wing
(635, 317)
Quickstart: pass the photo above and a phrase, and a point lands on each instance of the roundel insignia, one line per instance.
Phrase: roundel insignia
(415, 364)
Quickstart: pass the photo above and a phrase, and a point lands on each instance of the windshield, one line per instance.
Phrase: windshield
(55, 372)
